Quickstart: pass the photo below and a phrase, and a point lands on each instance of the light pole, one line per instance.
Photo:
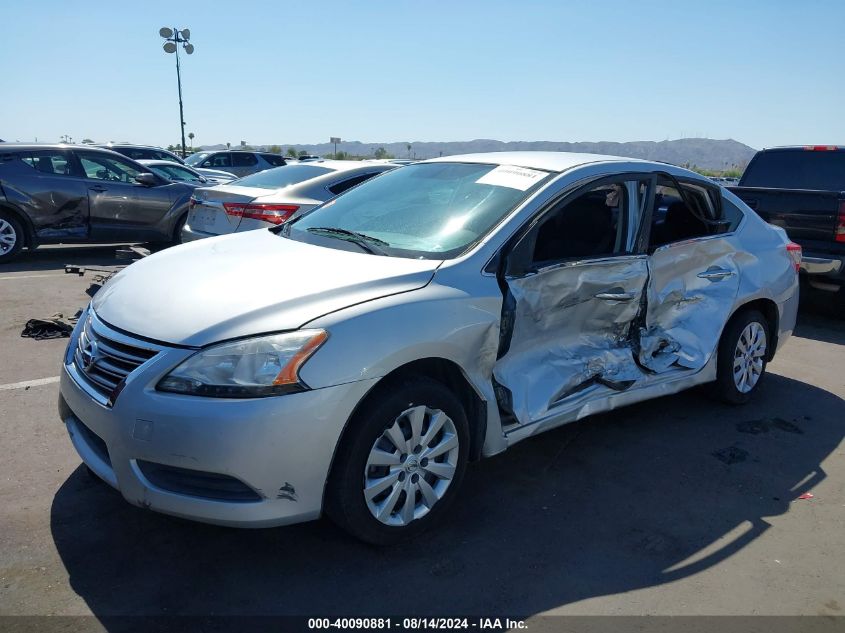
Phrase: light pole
(174, 37)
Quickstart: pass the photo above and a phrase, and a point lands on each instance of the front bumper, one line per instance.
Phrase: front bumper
(280, 448)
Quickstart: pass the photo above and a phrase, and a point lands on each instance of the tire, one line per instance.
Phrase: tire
(419, 402)
(741, 362)
(177, 232)
(12, 237)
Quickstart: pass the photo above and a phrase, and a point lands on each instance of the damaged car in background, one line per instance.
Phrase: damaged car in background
(353, 360)
(51, 194)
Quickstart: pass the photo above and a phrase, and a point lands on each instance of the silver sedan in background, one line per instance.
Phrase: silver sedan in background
(353, 360)
(175, 172)
(271, 197)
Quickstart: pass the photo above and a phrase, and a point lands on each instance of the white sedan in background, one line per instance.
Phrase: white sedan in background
(271, 197)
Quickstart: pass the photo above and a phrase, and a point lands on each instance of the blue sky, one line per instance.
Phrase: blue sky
(763, 72)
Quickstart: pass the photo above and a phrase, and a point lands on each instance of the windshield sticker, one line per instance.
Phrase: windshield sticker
(512, 177)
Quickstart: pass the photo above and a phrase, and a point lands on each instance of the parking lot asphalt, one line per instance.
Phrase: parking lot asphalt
(675, 506)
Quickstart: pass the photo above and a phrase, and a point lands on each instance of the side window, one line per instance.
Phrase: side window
(593, 224)
(111, 168)
(53, 162)
(274, 159)
(158, 155)
(342, 186)
(731, 214)
(244, 159)
(681, 215)
(218, 160)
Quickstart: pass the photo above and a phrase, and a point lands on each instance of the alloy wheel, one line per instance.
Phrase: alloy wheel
(411, 465)
(8, 237)
(749, 357)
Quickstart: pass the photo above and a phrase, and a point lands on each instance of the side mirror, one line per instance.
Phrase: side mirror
(147, 179)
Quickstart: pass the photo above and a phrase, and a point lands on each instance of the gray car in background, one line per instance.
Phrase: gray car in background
(353, 360)
(238, 162)
(271, 197)
(78, 193)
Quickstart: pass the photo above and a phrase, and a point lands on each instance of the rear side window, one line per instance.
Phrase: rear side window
(51, 162)
(731, 215)
(797, 169)
(274, 159)
(244, 160)
(217, 160)
(279, 177)
(342, 186)
(678, 216)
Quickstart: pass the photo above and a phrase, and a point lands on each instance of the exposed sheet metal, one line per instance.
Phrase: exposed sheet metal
(566, 338)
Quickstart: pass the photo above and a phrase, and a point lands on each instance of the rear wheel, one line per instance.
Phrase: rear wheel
(401, 462)
(11, 237)
(177, 231)
(741, 362)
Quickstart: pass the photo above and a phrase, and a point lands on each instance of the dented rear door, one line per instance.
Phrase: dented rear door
(691, 291)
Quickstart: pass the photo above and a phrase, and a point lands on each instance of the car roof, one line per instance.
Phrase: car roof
(548, 161)
(339, 165)
(158, 161)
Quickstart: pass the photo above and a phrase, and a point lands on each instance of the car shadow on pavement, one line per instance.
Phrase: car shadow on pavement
(634, 498)
(54, 258)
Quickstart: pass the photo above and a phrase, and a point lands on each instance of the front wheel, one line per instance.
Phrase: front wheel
(401, 462)
(741, 363)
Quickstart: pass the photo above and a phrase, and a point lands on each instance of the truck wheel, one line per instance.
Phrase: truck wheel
(741, 361)
(11, 237)
(401, 462)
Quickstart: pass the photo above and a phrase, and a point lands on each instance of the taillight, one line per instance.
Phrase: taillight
(821, 148)
(794, 252)
(273, 213)
(839, 232)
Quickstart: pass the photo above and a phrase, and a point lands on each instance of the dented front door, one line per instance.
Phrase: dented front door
(691, 292)
(570, 334)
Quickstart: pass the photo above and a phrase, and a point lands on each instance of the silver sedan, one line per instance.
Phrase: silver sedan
(353, 360)
(270, 197)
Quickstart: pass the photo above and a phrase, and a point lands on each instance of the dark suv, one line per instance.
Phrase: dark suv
(240, 163)
(65, 193)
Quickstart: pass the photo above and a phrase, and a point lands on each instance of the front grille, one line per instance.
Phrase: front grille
(105, 362)
(197, 483)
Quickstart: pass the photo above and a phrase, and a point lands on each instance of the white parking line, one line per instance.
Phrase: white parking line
(29, 383)
(30, 276)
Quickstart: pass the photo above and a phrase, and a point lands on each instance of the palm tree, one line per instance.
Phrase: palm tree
(191, 136)
(409, 150)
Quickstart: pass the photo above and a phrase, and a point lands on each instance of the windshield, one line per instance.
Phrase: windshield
(175, 172)
(195, 159)
(429, 210)
(283, 176)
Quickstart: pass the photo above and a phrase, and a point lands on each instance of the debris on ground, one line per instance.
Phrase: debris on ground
(807, 495)
(56, 326)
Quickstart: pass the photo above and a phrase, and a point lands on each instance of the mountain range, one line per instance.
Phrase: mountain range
(701, 152)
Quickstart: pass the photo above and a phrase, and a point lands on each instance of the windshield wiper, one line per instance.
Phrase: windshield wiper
(367, 242)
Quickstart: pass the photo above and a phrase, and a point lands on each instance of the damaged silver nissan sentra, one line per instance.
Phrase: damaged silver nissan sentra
(354, 359)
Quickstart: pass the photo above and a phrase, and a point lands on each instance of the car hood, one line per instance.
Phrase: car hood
(245, 284)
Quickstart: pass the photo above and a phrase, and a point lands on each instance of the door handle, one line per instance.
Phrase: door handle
(715, 274)
(616, 295)
(99, 188)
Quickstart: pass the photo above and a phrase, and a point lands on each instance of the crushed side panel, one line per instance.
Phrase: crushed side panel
(565, 339)
(685, 311)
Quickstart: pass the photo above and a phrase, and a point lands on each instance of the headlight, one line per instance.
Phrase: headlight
(250, 368)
